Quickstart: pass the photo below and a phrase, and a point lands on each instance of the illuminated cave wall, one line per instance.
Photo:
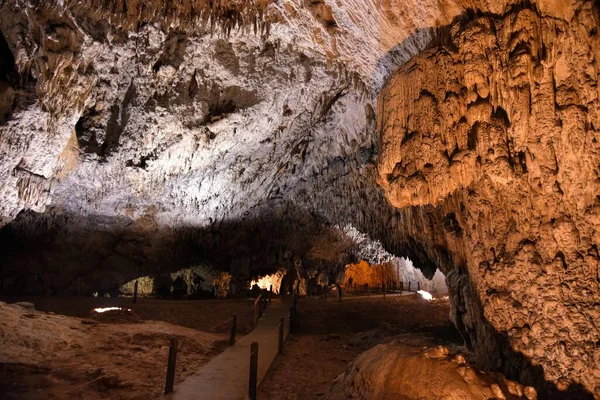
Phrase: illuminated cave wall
(497, 133)
(393, 272)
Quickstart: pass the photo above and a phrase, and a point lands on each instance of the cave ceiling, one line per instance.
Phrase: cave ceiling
(194, 121)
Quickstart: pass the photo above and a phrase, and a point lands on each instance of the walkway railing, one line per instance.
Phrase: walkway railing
(390, 287)
(260, 304)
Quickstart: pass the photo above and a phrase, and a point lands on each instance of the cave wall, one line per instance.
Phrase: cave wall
(142, 138)
(147, 135)
(214, 106)
(494, 134)
(398, 272)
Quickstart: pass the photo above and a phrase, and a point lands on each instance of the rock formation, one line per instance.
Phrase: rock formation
(394, 371)
(397, 274)
(169, 138)
(496, 132)
(143, 138)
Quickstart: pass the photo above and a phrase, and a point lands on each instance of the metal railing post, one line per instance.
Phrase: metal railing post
(135, 292)
(233, 330)
(171, 366)
(281, 327)
(292, 319)
(256, 306)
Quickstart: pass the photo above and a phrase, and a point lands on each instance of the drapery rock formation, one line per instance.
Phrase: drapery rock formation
(142, 138)
(498, 130)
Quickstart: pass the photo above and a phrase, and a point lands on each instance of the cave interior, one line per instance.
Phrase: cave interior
(215, 150)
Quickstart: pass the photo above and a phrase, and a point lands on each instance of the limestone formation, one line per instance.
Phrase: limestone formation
(397, 273)
(394, 371)
(496, 132)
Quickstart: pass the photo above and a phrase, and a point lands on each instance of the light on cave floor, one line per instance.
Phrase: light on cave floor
(426, 295)
(105, 309)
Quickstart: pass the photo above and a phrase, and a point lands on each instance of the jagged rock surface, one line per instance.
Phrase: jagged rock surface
(398, 274)
(395, 371)
(496, 133)
(171, 136)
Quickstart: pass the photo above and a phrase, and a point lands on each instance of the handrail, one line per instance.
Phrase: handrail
(261, 301)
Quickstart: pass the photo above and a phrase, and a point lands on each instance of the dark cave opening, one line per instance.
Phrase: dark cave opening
(8, 79)
(7, 61)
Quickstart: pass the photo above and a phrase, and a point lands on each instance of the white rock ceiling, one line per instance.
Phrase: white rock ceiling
(294, 110)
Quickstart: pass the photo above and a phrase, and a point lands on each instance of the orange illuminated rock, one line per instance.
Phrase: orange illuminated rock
(363, 273)
(496, 134)
(393, 371)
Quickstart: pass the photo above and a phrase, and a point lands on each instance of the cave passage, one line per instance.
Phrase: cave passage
(411, 186)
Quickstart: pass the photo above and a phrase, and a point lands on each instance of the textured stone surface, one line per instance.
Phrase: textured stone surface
(165, 136)
(158, 135)
(498, 130)
(186, 105)
(395, 371)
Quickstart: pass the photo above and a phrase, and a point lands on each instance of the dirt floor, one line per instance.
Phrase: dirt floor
(331, 334)
(205, 315)
(47, 356)
(108, 356)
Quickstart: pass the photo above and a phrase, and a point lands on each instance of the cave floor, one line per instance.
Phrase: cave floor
(203, 315)
(331, 334)
(46, 355)
(225, 377)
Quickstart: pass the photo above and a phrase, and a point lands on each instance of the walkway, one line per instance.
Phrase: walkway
(225, 376)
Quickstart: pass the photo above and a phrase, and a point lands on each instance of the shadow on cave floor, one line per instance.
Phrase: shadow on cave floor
(392, 315)
(204, 315)
(330, 334)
